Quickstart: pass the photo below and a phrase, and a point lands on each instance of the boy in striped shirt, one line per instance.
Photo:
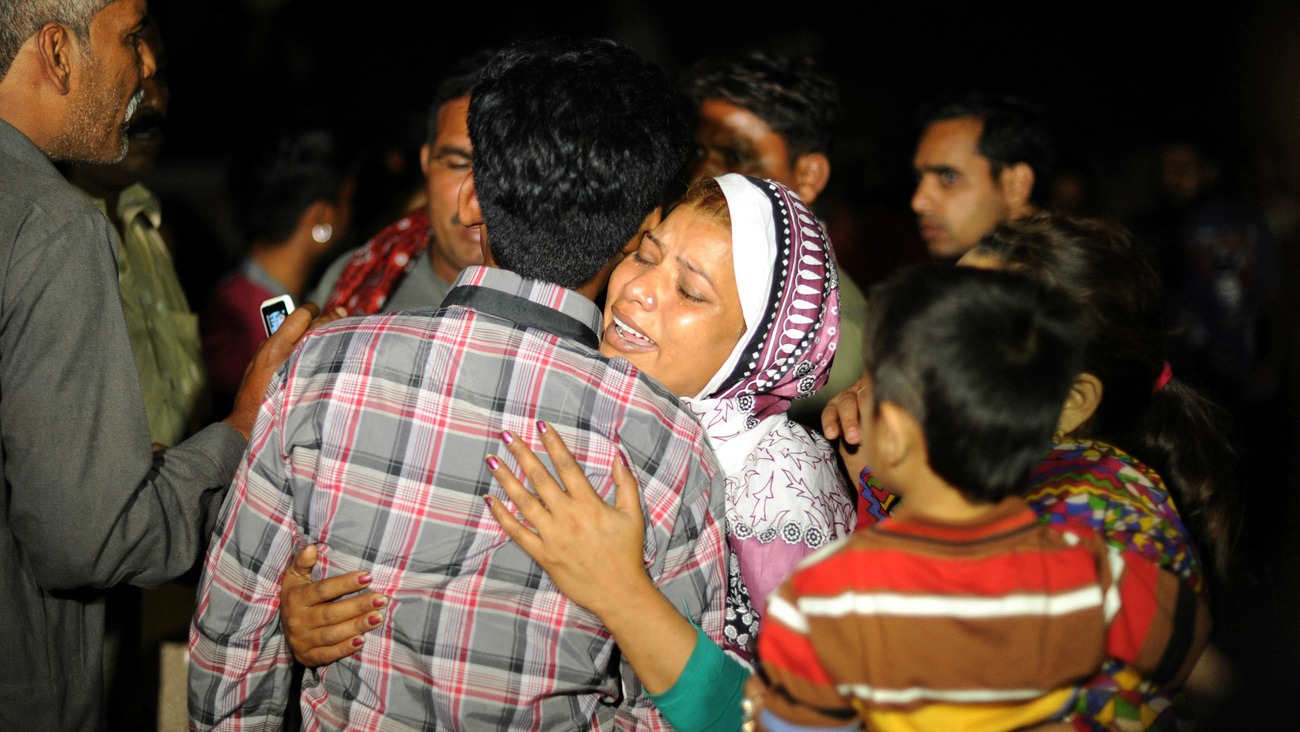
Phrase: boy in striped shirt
(962, 610)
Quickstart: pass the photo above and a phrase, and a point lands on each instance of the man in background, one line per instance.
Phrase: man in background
(981, 159)
(412, 262)
(164, 331)
(773, 116)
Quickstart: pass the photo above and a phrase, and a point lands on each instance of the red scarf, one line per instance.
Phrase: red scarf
(375, 271)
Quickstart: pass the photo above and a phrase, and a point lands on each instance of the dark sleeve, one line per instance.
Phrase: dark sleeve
(90, 504)
(1160, 624)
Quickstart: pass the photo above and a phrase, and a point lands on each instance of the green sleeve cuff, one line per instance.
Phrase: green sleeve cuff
(708, 693)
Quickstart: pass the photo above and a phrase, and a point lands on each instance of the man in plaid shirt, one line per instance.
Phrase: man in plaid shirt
(372, 440)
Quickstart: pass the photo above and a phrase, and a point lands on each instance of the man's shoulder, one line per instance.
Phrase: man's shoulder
(28, 187)
(652, 413)
(36, 206)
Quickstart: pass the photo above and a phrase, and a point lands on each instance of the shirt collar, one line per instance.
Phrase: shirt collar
(21, 147)
(1009, 515)
(135, 200)
(547, 294)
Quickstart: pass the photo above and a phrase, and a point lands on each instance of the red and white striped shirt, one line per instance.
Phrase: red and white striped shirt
(911, 624)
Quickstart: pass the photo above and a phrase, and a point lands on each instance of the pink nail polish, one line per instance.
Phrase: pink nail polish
(356, 642)
(541, 427)
(379, 601)
(492, 462)
(365, 579)
(506, 437)
(375, 619)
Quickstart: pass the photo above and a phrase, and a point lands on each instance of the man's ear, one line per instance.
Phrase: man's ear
(467, 207)
(471, 214)
(811, 172)
(424, 159)
(1080, 404)
(1017, 184)
(320, 212)
(895, 432)
(55, 48)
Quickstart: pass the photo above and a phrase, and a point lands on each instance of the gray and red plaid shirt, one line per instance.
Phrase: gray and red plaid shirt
(371, 442)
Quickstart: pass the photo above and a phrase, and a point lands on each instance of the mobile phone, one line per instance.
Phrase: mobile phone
(274, 311)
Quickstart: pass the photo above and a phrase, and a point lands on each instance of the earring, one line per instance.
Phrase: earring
(321, 233)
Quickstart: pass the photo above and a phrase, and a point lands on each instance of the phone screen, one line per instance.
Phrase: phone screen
(274, 319)
(274, 311)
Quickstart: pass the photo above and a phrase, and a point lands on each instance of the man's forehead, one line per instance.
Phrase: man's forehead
(950, 143)
(123, 13)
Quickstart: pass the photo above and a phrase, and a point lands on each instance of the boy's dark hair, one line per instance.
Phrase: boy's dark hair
(786, 92)
(574, 143)
(458, 82)
(983, 360)
(272, 179)
(1015, 131)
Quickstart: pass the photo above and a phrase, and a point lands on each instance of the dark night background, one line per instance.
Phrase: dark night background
(1115, 78)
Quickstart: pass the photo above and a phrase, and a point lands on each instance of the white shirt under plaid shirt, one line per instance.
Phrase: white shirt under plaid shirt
(371, 442)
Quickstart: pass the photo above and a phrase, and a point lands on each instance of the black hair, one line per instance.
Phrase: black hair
(458, 82)
(574, 142)
(272, 179)
(1015, 130)
(1174, 429)
(983, 360)
(787, 92)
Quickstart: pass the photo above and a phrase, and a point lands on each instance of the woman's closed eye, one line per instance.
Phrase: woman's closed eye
(690, 293)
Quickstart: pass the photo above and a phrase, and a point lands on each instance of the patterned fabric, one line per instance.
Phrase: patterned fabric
(1097, 485)
(372, 442)
(785, 271)
(1093, 484)
(420, 289)
(164, 331)
(785, 494)
(875, 503)
(872, 626)
(377, 268)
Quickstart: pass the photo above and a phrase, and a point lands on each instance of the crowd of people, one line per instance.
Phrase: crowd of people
(599, 431)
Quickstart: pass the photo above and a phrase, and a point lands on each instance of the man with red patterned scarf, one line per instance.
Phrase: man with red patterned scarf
(412, 262)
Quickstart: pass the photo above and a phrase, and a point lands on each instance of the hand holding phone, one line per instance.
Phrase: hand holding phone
(274, 311)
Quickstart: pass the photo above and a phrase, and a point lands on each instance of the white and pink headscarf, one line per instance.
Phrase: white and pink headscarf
(784, 493)
(789, 294)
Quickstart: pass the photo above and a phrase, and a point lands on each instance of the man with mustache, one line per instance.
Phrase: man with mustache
(86, 503)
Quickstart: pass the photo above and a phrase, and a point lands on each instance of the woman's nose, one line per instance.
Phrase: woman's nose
(642, 289)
